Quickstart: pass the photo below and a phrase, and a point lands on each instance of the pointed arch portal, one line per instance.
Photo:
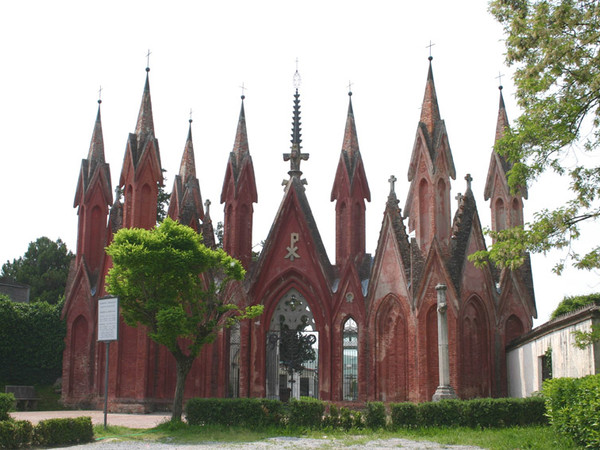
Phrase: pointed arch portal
(292, 350)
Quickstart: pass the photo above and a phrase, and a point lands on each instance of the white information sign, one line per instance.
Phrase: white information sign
(108, 319)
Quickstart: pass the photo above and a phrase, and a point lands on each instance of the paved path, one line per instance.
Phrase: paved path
(125, 420)
(153, 419)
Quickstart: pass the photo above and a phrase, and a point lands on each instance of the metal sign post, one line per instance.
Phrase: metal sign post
(108, 331)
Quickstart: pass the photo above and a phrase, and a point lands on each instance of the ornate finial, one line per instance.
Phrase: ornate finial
(297, 79)
(148, 60)
(100, 95)
(469, 178)
(499, 78)
(190, 115)
(207, 207)
(458, 198)
(243, 91)
(431, 44)
(350, 88)
(392, 180)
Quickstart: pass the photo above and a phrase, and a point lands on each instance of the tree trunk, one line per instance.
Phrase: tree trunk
(183, 366)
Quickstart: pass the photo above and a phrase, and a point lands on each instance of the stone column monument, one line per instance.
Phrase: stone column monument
(444, 389)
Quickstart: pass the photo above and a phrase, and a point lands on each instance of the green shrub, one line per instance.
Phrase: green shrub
(376, 416)
(570, 304)
(403, 415)
(7, 402)
(248, 412)
(445, 413)
(306, 413)
(573, 406)
(15, 433)
(31, 342)
(54, 432)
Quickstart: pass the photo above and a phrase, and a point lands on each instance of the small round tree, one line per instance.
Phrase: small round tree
(167, 280)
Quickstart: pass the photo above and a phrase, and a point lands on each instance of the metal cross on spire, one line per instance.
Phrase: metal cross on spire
(100, 95)
(297, 78)
(148, 60)
(243, 88)
(431, 44)
(499, 78)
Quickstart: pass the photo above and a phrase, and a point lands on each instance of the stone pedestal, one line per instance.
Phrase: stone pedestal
(444, 389)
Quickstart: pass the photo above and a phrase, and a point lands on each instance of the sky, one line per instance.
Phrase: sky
(56, 56)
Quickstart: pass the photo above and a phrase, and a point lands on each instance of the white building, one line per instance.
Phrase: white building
(552, 345)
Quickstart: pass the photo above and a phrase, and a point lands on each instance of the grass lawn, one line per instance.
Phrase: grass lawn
(535, 437)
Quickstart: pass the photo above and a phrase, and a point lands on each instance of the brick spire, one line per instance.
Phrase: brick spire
(96, 152)
(187, 168)
(240, 145)
(145, 123)
(430, 111)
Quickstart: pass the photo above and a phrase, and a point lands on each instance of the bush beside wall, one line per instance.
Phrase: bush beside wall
(573, 406)
(48, 433)
(7, 402)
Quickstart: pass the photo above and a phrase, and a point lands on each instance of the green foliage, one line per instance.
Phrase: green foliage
(573, 406)
(306, 413)
(169, 281)
(7, 402)
(53, 432)
(570, 304)
(244, 412)
(583, 339)
(15, 433)
(376, 415)
(162, 200)
(475, 413)
(44, 267)
(554, 46)
(403, 415)
(31, 342)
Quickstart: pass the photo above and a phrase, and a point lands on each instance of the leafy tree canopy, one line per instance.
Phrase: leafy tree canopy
(44, 267)
(169, 281)
(554, 46)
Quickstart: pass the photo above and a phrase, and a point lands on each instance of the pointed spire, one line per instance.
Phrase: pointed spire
(240, 145)
(430, 111)
(502, 123)
(145, 123)
(296, 155)
(350, 144)
(96, 152)
(187, 169)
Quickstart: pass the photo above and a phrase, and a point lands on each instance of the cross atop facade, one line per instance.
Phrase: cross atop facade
(469, 178)
(206, 207)
(349, 87)
(100, 95)
(243, 91)
(392, 180)
(148, 60)
(458, 198)
(190, 115)
(295, 157)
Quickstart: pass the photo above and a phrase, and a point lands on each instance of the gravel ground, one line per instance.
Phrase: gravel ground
(151, 420)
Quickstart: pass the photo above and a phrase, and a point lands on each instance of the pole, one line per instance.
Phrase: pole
(106, 383)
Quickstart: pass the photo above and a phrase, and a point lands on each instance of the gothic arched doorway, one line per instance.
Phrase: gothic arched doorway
(292, 350)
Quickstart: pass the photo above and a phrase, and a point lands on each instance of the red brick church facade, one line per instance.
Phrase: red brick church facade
(374, 317)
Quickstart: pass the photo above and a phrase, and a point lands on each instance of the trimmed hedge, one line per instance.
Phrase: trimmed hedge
(573, 406)
(306, 412)
(7, 401)
(48, 433)
(476, 413)
(54, 432)
(15, 433)
(376, 416)
(246, 412)
(310, 413)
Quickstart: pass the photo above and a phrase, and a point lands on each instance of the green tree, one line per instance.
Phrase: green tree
(553, 45)
(44, 267)
(168, 281)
